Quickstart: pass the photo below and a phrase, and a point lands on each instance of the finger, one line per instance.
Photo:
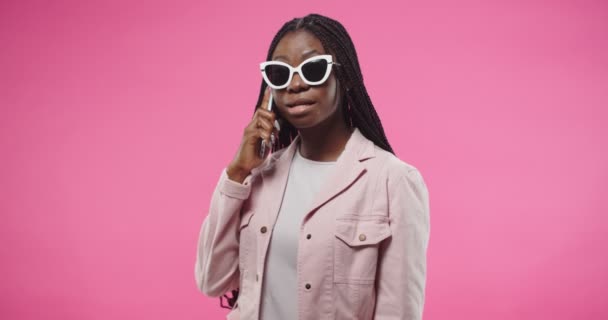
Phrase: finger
(265, 124)
(257, 118)
(264, 135)
(269, 115)
(265, 99)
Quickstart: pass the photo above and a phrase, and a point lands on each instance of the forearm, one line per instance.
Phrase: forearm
(216, 267)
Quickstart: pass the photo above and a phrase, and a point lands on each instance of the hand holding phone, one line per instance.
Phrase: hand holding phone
(251, 153)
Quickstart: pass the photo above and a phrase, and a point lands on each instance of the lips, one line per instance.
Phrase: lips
(300, 102)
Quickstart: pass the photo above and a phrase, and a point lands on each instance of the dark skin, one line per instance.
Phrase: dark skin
(321, 126)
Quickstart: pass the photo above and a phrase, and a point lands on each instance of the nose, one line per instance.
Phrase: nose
(297, 84)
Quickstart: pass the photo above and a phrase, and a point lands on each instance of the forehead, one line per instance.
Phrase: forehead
(296, 46)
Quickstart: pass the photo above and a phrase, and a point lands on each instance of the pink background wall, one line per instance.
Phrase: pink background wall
(116, 118)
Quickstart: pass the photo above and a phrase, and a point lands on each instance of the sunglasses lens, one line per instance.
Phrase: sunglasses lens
(315, 70)
(278, 75)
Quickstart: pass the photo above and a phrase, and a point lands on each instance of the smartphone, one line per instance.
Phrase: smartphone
(262, 144)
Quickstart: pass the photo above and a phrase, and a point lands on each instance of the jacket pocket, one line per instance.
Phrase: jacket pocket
(356, 247)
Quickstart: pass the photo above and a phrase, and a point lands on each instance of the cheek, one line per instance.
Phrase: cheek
(331, 95)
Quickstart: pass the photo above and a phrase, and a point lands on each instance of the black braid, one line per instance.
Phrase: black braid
(335, 39)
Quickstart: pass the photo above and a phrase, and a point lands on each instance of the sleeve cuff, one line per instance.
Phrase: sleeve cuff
(234, 189)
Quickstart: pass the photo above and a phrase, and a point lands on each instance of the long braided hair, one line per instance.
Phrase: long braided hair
(358, 108)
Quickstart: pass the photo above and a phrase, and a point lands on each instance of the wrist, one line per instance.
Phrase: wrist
(236, 173)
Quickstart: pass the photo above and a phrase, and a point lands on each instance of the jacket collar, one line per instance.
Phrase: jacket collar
(358, 147)
(347, 170)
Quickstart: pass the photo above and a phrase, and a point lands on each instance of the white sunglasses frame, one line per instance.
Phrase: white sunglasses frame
(298, 69)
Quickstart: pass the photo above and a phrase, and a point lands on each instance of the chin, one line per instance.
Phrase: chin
(307, 123)
(310, 120)
(303, 124)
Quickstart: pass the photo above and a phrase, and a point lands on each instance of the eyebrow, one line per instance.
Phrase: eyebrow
(304, 55)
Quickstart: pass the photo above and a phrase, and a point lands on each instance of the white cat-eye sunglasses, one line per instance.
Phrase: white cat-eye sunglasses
(314, 71)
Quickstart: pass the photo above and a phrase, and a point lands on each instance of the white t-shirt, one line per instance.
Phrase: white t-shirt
(279, 290)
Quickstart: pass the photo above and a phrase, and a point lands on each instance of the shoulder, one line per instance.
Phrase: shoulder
(405, 187)
(397, 175)
(393, 165)
(268, 163)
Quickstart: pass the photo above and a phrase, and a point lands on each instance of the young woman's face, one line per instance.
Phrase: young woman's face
(321, 101)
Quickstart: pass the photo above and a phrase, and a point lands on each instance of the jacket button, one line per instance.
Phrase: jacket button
(362, 237)
(256, 277)
(308, 236)
(263, 230)
(307, 286)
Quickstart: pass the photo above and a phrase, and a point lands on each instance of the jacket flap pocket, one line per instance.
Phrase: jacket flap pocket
(245, 218)
(362, 230)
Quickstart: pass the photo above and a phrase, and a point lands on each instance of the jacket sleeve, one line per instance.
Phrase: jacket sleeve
(402, 259)
(216, 269)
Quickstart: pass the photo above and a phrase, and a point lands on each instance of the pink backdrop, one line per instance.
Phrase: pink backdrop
(117, 118)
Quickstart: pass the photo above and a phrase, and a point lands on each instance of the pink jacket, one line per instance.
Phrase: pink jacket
(366, 258)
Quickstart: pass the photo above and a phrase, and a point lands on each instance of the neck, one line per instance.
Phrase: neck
(324, 142)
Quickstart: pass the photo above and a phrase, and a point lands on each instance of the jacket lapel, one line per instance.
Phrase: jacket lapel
(348, 169)
(274, 180)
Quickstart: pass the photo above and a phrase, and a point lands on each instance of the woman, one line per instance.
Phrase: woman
(331, 225)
